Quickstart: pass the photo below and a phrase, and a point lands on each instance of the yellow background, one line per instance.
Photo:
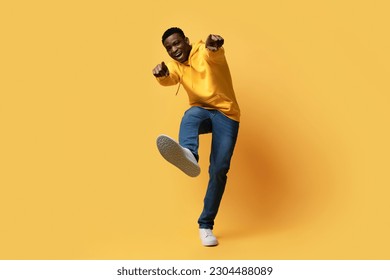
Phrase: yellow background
(81, 178)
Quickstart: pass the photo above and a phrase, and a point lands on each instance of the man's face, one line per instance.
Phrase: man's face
(177, 47)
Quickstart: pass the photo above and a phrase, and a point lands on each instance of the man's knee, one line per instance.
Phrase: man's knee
(219, 169)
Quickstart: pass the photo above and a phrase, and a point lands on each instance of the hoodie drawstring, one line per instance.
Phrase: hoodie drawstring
(177, 91)
(181, 77)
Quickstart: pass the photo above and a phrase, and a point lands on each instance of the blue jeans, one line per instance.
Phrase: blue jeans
(197, 120)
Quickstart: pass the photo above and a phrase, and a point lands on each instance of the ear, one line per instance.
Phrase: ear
(187, 40)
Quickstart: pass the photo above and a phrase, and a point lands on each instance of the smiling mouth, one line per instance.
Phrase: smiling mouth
(178, 55)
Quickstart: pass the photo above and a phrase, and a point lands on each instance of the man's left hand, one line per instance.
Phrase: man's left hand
(214, 42)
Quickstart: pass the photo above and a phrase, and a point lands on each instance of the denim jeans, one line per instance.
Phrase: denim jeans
(195, 121)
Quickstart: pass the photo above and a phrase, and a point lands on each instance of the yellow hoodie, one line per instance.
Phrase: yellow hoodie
(207, 80)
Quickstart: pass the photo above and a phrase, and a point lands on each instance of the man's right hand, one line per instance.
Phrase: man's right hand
(161, 70)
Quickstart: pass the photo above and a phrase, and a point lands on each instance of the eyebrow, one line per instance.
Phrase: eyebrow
(173, 43)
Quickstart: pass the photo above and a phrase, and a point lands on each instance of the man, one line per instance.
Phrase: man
(202, 70)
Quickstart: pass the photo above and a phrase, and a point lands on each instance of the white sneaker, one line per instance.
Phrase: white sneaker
(179, 156)
(207, 237)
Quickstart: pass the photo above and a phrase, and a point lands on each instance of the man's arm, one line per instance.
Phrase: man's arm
(214, 52)
(164, 76)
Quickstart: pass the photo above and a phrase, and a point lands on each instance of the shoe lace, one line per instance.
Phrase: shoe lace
(207, 232)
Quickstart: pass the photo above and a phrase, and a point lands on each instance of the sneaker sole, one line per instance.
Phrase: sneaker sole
(210, 244)
(174, 153)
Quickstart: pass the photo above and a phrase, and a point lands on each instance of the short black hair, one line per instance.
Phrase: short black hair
(171, 31)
